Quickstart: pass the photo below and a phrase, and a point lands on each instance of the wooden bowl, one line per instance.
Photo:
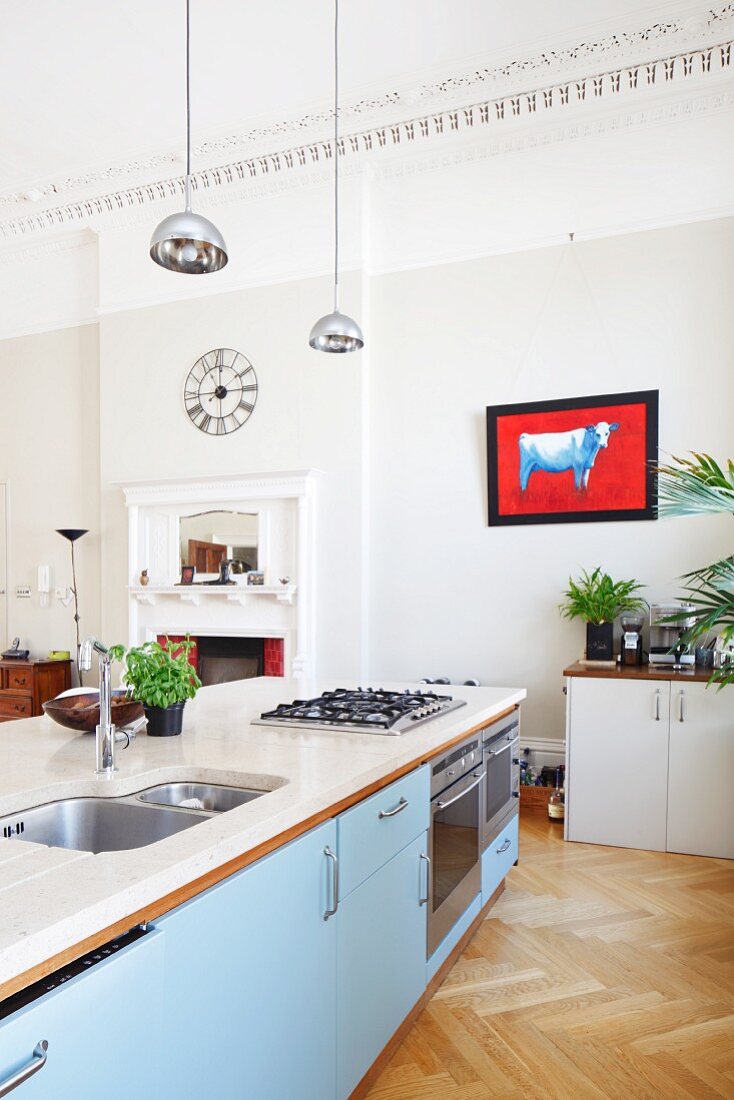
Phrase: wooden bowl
(81, 712)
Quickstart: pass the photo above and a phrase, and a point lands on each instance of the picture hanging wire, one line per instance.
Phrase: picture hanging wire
(565, 252)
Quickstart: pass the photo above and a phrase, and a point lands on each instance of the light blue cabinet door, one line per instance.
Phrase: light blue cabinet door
(375, 830)
(250, 979)
(102, 1029)
(381, 961)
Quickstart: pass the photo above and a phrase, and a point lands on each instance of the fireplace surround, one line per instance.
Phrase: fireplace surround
(275, 618)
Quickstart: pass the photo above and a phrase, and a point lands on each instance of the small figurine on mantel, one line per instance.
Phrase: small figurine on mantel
(144, 578)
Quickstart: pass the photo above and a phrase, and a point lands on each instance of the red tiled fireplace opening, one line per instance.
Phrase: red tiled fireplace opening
(220, 660)
(273, 657)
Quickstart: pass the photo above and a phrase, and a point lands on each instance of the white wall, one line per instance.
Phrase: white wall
(399, 427)
(49, 457)
(451, 596)
(308, 414)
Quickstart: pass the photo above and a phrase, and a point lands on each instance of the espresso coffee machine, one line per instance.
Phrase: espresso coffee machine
(631, 653)
(665, 636)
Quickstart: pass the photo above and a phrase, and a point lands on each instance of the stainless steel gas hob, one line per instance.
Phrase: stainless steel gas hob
(363, 710)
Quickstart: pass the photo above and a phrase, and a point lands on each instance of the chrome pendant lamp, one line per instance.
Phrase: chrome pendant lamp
(336, 332)
(186, 242)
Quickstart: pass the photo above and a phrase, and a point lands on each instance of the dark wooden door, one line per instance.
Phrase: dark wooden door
(206, 556)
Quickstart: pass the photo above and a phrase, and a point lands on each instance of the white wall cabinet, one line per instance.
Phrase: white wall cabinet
(650, 765)
(701, 771)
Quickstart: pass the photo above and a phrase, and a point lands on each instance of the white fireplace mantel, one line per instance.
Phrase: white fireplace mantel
(285, 503)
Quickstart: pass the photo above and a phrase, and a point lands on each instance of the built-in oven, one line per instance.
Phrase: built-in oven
(501, 770)
(455, 844)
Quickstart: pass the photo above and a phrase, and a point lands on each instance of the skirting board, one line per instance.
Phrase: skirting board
(544, 751)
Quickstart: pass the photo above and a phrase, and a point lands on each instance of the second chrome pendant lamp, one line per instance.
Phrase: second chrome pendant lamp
(186, 241)
(336, 332)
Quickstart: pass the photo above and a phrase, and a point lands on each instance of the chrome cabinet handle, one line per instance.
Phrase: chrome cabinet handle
(491, 752)
(334, 883)
(38, 1061)
(504, 847)
(681, 706)
(402, 805)
(445, 805)
(656, 715)
(427, 861)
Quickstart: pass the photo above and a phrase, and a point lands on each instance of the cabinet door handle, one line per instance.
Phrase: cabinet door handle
(334, 884)
(427, 860)
(656, 715)
(445, 805)
(38, 1061)
(402, 805)
(504, 847)
(682, 706)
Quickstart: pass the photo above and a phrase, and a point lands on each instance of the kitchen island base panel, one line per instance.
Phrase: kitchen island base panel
(434, 983)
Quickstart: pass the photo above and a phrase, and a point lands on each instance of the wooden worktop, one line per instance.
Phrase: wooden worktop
(639, 672)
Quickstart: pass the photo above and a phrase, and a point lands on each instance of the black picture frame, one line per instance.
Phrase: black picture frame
(187, 574)
(650, 398)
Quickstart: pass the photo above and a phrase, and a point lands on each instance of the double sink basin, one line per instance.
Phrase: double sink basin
(129, 821)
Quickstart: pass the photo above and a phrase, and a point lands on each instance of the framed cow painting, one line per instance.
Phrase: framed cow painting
(577, 460)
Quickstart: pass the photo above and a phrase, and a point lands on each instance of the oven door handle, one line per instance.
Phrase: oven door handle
(499, 752)
(445, 805)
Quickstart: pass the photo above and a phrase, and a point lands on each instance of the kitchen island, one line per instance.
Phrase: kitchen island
(59, 904)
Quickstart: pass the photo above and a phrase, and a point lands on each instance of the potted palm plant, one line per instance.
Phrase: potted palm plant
(162, 679)
(598, 600)
(697, 486)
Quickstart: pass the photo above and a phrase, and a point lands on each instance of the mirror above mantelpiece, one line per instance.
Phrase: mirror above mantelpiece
(206, 539)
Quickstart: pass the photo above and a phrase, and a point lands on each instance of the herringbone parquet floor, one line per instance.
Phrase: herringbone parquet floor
(600, 972)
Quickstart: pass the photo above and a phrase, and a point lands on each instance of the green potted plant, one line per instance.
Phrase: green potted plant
(598, 600)
(162, 679)
(698, 486)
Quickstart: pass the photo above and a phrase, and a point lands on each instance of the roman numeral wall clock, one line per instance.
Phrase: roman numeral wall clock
(220, 391)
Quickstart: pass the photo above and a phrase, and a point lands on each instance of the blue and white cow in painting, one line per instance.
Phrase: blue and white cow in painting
(556, 452)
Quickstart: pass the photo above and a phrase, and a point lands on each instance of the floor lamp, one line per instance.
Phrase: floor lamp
(72, 534)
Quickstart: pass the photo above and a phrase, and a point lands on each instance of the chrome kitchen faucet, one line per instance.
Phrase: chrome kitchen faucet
(105, 732)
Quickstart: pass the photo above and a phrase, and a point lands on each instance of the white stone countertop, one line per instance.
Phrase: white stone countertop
(52, 898)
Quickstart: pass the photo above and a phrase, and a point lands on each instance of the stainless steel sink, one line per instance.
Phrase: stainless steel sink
(98, 824)
(211, 797)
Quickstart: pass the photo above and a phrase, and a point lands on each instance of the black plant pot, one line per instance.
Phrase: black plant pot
(165, 721)
(600, 641)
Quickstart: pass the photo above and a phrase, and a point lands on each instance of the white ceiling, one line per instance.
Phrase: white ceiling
(88, 86)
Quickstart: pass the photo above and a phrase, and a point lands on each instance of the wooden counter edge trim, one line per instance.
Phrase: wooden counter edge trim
(388, 1051)
(640, 672)
(197, 886)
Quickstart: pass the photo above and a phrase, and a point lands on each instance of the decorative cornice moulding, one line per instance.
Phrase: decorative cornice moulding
(577, 92)
(521, 140)
(50, 246)
(689, 29)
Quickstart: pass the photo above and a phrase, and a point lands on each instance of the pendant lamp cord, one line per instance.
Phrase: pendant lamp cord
(188, 107)
(336, 155)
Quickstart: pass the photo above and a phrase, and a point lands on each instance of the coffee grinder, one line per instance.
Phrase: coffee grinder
(631, 653)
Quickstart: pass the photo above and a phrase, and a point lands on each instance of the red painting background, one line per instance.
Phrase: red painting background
(618, 477)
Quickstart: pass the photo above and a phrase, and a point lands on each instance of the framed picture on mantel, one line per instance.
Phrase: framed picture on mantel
(576, 460)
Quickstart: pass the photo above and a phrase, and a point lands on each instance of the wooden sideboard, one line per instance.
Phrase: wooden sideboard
(26, 685)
